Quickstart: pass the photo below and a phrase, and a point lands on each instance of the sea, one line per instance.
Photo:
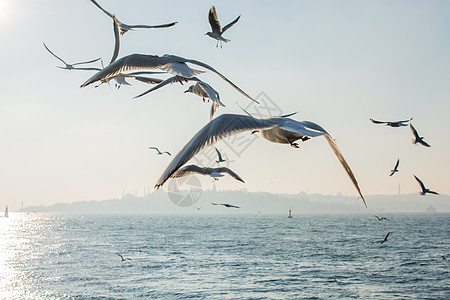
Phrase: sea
(224, 256)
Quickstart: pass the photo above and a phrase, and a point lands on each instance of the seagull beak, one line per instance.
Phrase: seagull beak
(254, 131)
(186, 91)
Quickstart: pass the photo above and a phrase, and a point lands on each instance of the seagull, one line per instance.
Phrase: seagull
(123, 258)
(71, 66)
(159, 152)
(172, 64)
(424, 189)
(197, 208)
(201, 89)
(382, 218)
(213, 172)
(226, 205)
(443, 257)
(124, 28)
(385, 238)
(275, 129)
(220, 157)
(395, 168)
(417, 137)
(393, 123)
(217, 30)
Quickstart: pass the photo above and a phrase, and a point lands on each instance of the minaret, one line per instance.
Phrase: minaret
(399, 188)
(214, 186)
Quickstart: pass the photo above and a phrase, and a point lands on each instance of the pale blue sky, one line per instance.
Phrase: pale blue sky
(338, 63)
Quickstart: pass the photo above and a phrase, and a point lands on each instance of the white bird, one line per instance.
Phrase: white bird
(424, 189)
(201, 89)
(217, 30)
(71, 66)
(212, 172)
(395, 170)
(417, 137)
(122, 259)
(392, 123)
(276, 129)
(172, 64)
(220, 157)
(125, 27)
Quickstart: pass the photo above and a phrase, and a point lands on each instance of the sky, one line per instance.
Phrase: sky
(336, 63)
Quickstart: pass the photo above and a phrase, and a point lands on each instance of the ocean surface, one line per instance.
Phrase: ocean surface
(320, 256)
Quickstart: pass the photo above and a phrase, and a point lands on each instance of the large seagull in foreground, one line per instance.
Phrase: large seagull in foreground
(276, 129)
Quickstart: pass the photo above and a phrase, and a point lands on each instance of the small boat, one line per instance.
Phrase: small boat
(290, 213)
(6, 212)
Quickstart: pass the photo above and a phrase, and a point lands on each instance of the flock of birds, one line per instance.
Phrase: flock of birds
(417, 140)
(280, 129)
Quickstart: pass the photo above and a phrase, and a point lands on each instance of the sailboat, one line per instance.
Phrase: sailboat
(6, 212)
(290, 213)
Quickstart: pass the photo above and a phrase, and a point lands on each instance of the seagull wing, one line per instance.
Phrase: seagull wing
(217, 129)
(424, 143)
(230, 172)
(117, 40)
(218, 154)
(377, 122)
(422, 186)
(159, 152)
(405, 121)
(86, 62)
(148, 80)
(84, 69)
(181, 69)
(54, 54)
(231, 24)
(396, 165)
(153, 26)
(433, 192)
(131, 62)
(186, 170)
(214, 21)
(344, 164)
(170, 80)
(414, 131)
(106, 12)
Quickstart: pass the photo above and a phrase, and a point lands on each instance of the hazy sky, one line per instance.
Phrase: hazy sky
(338, 63)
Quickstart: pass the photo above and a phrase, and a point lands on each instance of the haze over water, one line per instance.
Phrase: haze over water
(56, 256)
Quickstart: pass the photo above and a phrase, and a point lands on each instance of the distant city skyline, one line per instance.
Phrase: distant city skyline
(335, 63)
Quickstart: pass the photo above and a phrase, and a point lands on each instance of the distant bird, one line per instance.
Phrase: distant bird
(382, 218)
(201, 89)
(417, 137)
(275, 129)
(197, 208)
(424, 189)
(443, 257)
(159, 152)
(122, 259)
(393, 123)
(172, 64)
(213, 172)
(220, 157)
(125, 27)
(258, 211)
(71, 66)
(226, 205)
(395, 170)
(217, 30)
(385, 238)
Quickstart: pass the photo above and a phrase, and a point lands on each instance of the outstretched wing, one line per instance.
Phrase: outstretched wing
(230, 172)
(186, 170)
(105, 11)
(414, 131)
(54, 54)
(214, 21)
(217, 129)
(116, 39)
(344, 164)
(218, 154)
(422, 186)
(153, 26)
(231, 24)
(169, 80)
(377, 122)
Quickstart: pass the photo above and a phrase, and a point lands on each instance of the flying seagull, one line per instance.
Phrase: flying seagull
(213, 172)
(159, 152)
(125, 27)
(275, 129)
(217, 30)
(172, 64)
(226, 205)
(382, 218)
(395, 170)
(220, 157)
(122, 259)
(385, 238)
(201, 89)
(71, 66)
(392, 123)
(424, 189)
(417, 137)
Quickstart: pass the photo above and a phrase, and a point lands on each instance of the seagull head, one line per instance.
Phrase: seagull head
(190, 89)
